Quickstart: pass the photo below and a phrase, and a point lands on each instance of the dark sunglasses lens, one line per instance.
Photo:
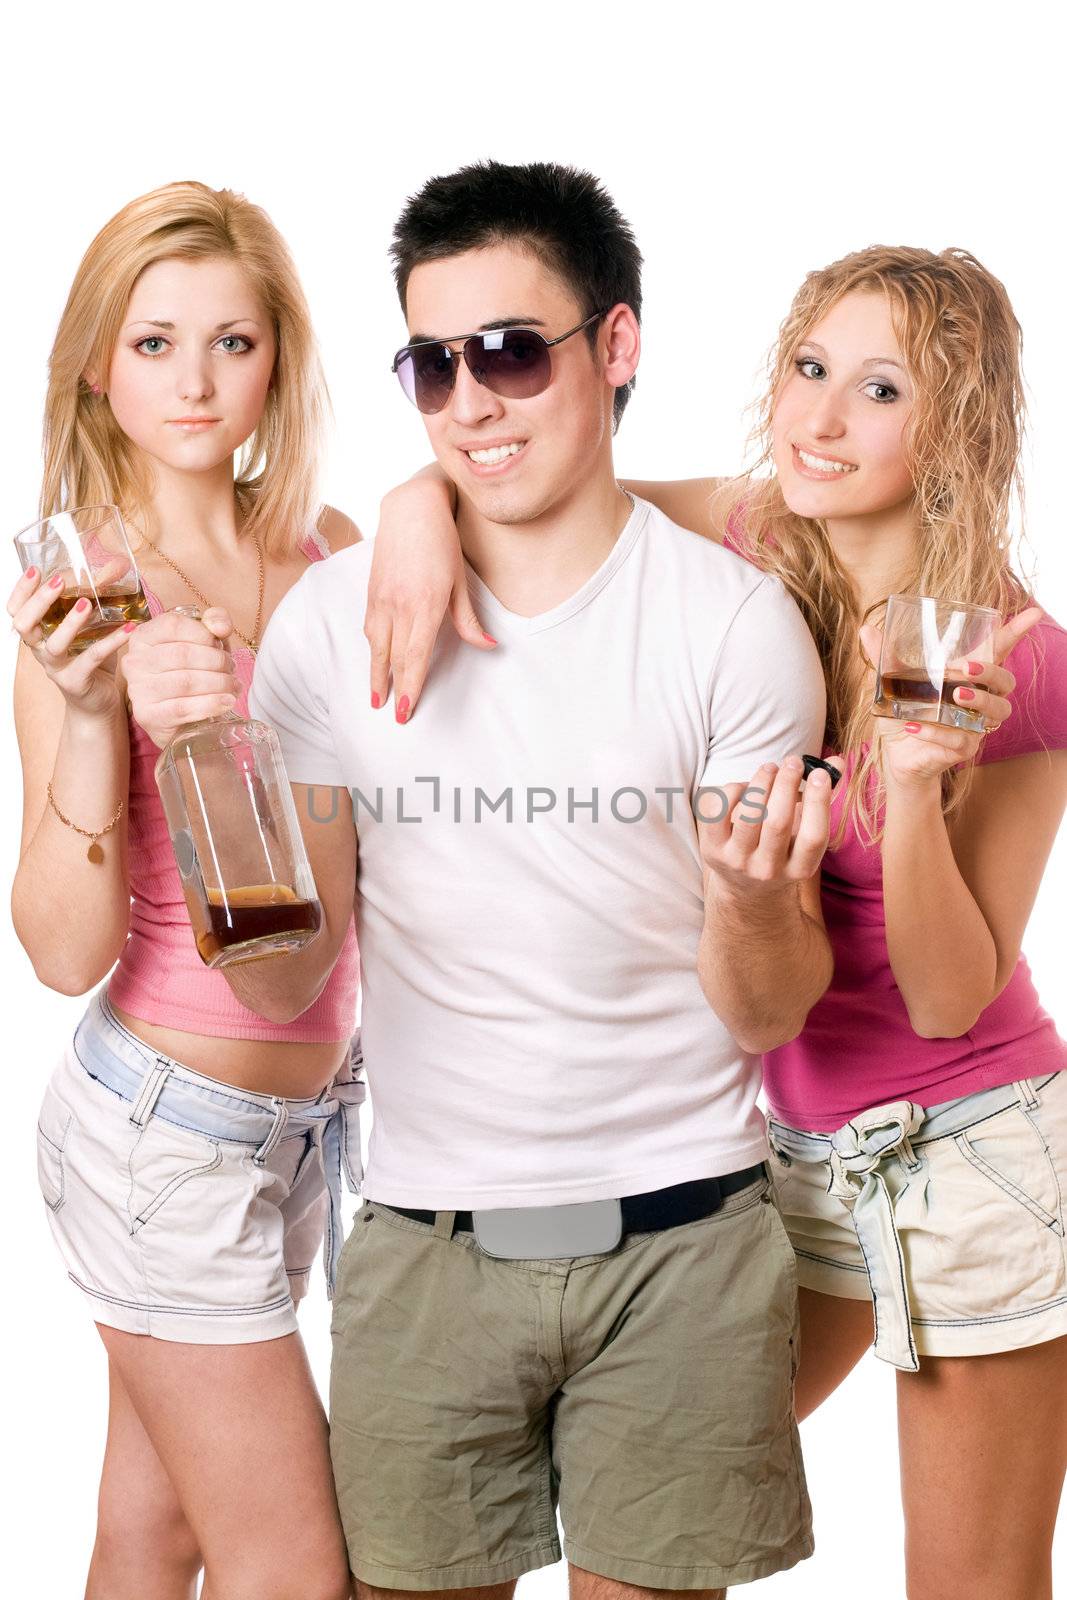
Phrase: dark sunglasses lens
(513, 362)
(427, 373)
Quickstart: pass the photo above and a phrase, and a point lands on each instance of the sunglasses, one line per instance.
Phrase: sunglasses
(513, 362)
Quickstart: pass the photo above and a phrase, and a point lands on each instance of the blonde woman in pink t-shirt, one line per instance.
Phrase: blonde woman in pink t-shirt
(919, 1121)
(190, 1152)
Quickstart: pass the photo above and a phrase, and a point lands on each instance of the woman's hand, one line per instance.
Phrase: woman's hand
(87, 679)
(177, 672)
(917, 753)
(416, 577)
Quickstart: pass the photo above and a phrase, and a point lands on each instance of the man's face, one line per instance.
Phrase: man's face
(557, 440)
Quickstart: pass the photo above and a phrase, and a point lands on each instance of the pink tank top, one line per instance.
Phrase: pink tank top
(160, 977)
(857, 1048)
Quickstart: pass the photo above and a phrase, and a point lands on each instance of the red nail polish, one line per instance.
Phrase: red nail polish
(56, 581)
(401, 716)
(82, 604)
(129, 627)
(964, 694)
(912, 727)
(31, 572)
(974, 668)
(488, 637)
(403, 707)
(375, 700)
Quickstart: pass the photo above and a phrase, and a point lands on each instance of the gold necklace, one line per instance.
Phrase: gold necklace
(253, 642)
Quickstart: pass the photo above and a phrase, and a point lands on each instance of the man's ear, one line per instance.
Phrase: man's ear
(620, 345)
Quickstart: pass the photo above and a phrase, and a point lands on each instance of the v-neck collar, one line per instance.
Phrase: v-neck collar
(487, 603)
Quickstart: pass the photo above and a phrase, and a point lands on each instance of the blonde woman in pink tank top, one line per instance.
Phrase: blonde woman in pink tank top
(919, 1120)
(190, 1152)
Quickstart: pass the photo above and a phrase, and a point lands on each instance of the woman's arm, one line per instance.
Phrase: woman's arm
(959, 893)
(71, 915)
(281, 987)
(695, 503)
(417, 576)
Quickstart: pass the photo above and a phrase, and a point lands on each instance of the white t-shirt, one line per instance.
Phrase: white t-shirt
(534, 1030)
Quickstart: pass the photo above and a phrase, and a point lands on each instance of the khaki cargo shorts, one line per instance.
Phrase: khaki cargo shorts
(647, 1392)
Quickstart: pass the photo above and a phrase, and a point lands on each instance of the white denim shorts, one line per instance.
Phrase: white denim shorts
(183, 1207)
(950, 1218)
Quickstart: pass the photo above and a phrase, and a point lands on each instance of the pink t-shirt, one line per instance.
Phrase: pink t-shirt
(858, 1048)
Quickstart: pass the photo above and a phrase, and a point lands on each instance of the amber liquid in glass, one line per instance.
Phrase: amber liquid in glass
(255, 911)
(908, 687)
(117, 607)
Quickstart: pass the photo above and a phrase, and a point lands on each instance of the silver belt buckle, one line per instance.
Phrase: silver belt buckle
(549, 1233)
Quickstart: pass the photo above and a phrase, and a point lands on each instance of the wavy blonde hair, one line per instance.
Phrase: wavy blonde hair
(87, 457)
(962, 346)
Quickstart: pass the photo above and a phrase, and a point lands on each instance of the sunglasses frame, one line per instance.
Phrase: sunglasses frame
(462, 339)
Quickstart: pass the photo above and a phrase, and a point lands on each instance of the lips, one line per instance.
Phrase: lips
(823, 468)
(492, 456)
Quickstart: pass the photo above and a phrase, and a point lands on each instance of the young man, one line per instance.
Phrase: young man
(567, 1280)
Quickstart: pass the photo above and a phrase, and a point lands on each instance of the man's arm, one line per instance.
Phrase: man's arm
(281, 987)
(764, 956)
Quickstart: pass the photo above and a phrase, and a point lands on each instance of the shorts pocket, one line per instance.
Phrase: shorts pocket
(1010, 1152)
(53, 1131)
(163, 1159)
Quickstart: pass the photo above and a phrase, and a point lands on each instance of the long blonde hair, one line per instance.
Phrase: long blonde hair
(87, 457)
(962, 347)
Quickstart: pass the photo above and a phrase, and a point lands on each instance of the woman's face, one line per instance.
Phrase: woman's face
(192, 364)
(840, 416)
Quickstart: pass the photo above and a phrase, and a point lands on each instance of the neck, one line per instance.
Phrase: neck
(535, 565)
(877, 552)
(195, 512)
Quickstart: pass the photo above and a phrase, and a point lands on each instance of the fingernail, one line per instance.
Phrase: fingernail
(819, 778)
(402, 708)
(488, 637)
(56, 581)
(130, 627)
(31, 572)
(964, 694)
(912, 727)
(375, 700)
(974, 669)
(81, 605)
(793, 764)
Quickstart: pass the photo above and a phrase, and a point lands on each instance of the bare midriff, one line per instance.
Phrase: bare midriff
(294, 1069)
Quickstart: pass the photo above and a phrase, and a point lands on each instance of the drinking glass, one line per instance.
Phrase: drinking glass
(89, 546)
(926, 644)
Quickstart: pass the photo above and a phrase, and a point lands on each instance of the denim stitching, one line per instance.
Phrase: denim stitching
(1004, 1316)
(180, 1311)
(1005, 1184)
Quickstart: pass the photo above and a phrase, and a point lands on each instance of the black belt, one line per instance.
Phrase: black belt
(646, 1213)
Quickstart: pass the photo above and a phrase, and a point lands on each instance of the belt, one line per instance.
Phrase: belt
(644, 1213)
(854, 1156)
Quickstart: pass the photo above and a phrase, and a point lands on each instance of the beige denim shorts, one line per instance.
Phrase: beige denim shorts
(648, 1393)
(950, 1217)
(184, 1208)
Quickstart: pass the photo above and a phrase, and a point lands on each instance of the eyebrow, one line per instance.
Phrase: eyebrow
(874, 361)
(486, 327)
(220, 327)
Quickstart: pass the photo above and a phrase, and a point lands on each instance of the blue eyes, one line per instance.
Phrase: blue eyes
(231, 344)
(883, 393)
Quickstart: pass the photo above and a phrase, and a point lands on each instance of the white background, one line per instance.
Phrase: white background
(746, 146)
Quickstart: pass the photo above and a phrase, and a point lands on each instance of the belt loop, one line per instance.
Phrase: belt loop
(444, 1227)
(151, 1089)
(1027, 1093)
(281, 1117)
